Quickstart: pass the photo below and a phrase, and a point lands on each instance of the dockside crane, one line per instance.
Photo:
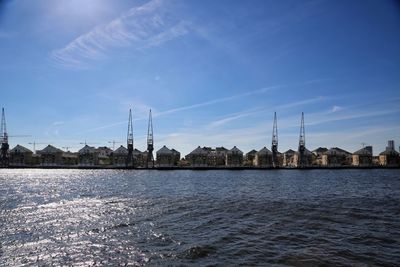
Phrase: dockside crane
(129, 140)
(150, 143)
(113, 142)
(86, 143)
(302, 144)
(274, 146)
(34, 145)
(4, 156)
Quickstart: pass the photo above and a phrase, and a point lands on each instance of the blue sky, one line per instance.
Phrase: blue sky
(213, 72)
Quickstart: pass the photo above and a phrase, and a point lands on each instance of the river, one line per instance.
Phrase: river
(183, 217)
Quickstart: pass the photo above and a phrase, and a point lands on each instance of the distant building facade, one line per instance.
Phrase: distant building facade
(20, 156)
(249, 158)
(88, 156)
(389, 157)
(234, 157)
(198, 157)
(50, 156)
(317, 159)
(336, 157)
(263, 158)
(166, 157)
(289, 158)
(363, 157)
(119, 156)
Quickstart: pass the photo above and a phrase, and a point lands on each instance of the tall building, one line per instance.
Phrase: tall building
(390, 145)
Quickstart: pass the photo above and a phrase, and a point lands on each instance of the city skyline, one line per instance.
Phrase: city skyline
(212, 73)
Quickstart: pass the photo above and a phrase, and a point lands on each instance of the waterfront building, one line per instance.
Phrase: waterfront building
(363, 157)
(234, 157)
(263, 158)
(317, 159)
(336, 157)
(20, 156)
(306, 161)
(88, 156)
(104, 155)
(69, 158)
(216, 157)
(119, 156)
(198, 157)
(389, 157)
(50, 156)
(288, 158)
(166, 157)
(139, 158)
(176, 156)
(249, 158)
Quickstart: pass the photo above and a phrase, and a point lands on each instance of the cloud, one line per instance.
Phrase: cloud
(336, 108)
(257, 111)
(141, 28)
(219, 100)
(57, 123)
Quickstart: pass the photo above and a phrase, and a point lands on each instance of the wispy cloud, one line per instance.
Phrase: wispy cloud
(141, 27)
(261, 110)
(219, 100)
(336, 108)
(213, 102)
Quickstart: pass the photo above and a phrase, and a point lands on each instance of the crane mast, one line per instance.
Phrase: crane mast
(4, 157)
(274, 146)
(129, 159)
(150, 142)
(302, 144)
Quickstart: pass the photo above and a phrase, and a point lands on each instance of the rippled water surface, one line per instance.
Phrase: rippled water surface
(287, 217)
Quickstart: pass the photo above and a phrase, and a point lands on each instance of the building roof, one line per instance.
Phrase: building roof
(264, 151)
(87, 149)
(320, 150)
(164, 151)
(20, 149)
(49, 150)
(363, 151)
(221, 149)
(290, 151)
(136, 151)
(389, 151)
(235, 150)
(251, 152)
(175, 151)
(198, 151)
(337, 151)
(121, 151)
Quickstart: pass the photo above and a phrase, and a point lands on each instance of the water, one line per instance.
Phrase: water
(111, 217)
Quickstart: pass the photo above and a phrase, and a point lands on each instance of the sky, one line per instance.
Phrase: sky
(213, 72)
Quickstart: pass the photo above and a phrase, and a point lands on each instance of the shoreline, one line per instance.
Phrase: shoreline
(200, 168)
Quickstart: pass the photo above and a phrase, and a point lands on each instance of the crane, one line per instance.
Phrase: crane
(113, 142)
(86, 143)
(274, 146)
(150, 142)
(302, 144)
(34, 143)
(4, 155)
(129, 141)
